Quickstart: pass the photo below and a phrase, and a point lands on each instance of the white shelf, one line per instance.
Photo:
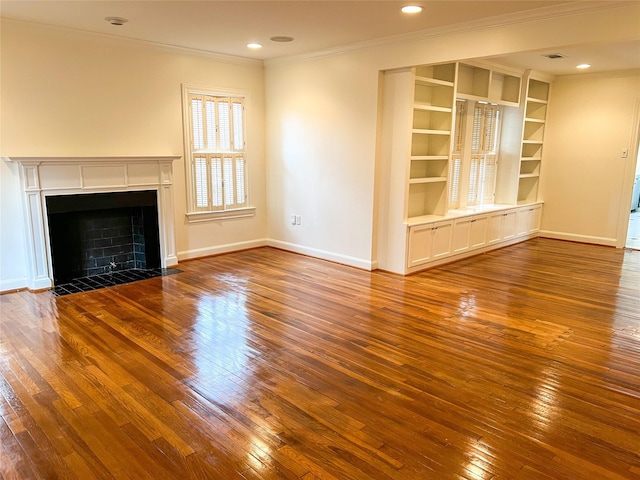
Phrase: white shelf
(429, 157)
(433, 81)
(415, 181)
(431, 108)
(425, 131)
(533, 120)
(529, 175)
(532, 142)
(531, 159)
(535, 100)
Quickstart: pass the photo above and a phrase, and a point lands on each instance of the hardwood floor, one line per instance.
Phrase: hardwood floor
(523, 363)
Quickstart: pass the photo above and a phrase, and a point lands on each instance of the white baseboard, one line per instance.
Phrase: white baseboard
(323, 254)
(11, 284)
(218, 249)
(573, 237)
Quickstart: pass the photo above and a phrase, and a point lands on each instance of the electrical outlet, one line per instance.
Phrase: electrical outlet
(292, 219)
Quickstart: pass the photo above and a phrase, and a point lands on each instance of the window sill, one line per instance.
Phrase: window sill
(198, 217)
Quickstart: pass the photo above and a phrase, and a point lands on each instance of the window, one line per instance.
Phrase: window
(474, 155)
(216, 153)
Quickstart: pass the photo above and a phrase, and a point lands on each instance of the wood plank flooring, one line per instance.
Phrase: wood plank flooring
(523, 363)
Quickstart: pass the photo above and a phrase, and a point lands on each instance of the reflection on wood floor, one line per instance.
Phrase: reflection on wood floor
(523, 363)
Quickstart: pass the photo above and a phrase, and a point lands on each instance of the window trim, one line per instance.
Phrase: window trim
(193, 215)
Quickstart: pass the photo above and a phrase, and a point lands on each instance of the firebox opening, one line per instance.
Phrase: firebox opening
(100, 233)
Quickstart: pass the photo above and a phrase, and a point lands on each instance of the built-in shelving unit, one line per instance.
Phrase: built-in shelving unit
(416, 227)
(485, 84)
(433, 101)
(535, 113)
(473, 82)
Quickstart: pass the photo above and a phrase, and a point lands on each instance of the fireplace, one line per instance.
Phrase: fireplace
(102, 233)
(61, 195)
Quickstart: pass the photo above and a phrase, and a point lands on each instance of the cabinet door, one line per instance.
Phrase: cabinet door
(478, 231)
(461, 232)
(508, 225)
(494, 228)
(522, 221)
(441, 239)
(535, 215)
(419, 245)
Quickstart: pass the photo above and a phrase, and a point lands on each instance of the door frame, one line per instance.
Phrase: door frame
(628, 179)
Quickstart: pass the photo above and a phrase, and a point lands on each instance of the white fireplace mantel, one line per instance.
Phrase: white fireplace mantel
(43, 176)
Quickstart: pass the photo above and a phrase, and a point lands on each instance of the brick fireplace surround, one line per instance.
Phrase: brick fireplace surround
(43, 177)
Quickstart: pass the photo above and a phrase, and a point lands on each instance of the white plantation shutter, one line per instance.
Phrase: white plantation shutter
(224, 125)
(212, 141)
(490, 128)
(473, 180)
(200, 182)
(197, 125)
(484, 154)
(216, 183)
(238, 125)
(241, 196)
(229, 183)
(454, 179)
(456, 154)
(458, 138)
(489, 180)
(217, 152)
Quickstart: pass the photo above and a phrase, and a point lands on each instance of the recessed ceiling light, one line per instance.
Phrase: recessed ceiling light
(254, 46)
(582, 66)
(281, 38)
(116, 20)
(411, 9)
(554, 56)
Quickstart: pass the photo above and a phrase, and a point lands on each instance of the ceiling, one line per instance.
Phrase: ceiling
(225, 27)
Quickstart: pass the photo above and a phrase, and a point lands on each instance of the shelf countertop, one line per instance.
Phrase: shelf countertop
(466, 212)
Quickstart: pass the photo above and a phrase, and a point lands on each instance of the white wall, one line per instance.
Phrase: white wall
(73, 94)
(590, 121)
(13, 261)
(321, 121)
(68, 94)
(321, 133)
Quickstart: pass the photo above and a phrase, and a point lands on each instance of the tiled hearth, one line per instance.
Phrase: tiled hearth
(94, 282)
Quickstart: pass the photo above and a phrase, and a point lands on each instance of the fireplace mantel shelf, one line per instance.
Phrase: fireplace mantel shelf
(71, 160)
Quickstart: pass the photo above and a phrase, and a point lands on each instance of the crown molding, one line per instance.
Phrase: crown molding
(539, 14)
(631, 72)
(124, 41)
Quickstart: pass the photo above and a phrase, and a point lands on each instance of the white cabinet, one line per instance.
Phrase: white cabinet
(528, 219)
(478, 232)
(433, 243)
(501, 226)
(441, 239)
(522, 221)
(419, 245)
(469, 233)
(429, 242)
(461, 232)
(534, 215)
